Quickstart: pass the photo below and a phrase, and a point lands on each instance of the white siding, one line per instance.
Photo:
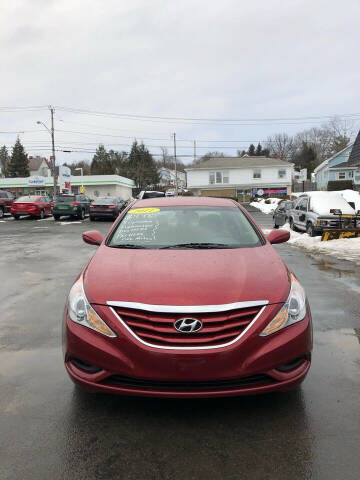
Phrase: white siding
(241, 177)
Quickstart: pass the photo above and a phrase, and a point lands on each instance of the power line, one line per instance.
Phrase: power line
(198, 119)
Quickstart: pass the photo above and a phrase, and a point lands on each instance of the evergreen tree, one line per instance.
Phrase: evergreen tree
(266, 152)
(141, 167)
(4, 160)
(18, 165)
(251, 150)
(259, 150)
(101, 163)
(306, 158)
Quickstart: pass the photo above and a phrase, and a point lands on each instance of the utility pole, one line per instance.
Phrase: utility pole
(194, 152)
(176, 177)
(53, 148)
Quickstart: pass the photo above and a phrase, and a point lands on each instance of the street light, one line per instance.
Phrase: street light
(51, 131)
(82, 180)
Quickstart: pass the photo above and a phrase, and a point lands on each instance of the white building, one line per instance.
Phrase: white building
(39, 166)
(167, 177)
(234, 176)
(95, 185)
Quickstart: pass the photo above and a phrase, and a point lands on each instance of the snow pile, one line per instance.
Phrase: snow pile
(351, 196)
(268, 207)
(322, 202)
(343, 248)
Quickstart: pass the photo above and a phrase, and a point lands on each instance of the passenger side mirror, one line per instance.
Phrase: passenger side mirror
(93, 237)
(278, 236)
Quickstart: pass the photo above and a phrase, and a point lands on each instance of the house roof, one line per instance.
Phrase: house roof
(354, 157)
(325, 162)
(342, 165)
(35, 163)
(240, 162)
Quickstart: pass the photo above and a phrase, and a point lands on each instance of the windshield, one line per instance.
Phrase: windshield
(184, 227)
(65, 198)
(27, 199)
(104, 201)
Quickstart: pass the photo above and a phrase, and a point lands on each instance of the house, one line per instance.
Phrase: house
(167, 177)
(234, 176)
(95, 185)
(339, 166)
(39, 166)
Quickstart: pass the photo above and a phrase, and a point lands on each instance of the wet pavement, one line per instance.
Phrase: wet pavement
(49, 429)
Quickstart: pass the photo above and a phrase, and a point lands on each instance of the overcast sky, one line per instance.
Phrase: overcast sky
(191, 59)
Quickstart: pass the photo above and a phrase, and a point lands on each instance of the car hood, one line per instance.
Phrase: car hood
(186, 277)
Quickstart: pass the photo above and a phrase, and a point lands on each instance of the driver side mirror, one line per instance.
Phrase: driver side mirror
(92, 237)
(278, 236)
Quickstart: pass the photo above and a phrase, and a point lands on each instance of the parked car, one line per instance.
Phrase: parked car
(170, 192)
(311, 212)
(187, 300)
(75, 206)
(6, 200)
(150, 194)
(281, 213)
(106, 207)
(32, 205)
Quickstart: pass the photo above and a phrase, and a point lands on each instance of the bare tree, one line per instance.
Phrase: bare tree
(281, 145)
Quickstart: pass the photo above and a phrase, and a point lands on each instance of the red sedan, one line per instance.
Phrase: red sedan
(186, 297)
(33, 205)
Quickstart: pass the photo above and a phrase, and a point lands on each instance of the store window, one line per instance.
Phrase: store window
(282, 173)
(257, 174)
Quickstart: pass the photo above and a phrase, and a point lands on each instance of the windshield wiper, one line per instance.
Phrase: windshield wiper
(126, 245)
(198, 245)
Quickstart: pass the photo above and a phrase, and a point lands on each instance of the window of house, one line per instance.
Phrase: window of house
(257, 174)
(341, 176)
(282, 173)
(219, 177)
(351, 174)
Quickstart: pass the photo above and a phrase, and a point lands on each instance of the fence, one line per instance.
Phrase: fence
(304, 187)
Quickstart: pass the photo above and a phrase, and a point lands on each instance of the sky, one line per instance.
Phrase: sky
(251, 69)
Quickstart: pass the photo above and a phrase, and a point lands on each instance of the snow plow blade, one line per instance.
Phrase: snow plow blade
(334, 234)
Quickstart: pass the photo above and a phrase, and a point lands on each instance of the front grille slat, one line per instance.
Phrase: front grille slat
(169, 327)
(225, 384)
(158, 328)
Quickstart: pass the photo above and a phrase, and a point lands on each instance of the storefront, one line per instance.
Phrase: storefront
(92, 185)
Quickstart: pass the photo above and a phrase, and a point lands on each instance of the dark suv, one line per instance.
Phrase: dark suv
(75, 206)
(6, 200)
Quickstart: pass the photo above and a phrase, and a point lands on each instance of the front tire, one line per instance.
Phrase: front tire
(82, 215)
(16, 217)
(292, 226)
(56, 217)
(42, 215)
(1, 212)
(310, 230)
(92, 219)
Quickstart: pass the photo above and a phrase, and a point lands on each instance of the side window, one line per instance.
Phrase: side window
(303, 204)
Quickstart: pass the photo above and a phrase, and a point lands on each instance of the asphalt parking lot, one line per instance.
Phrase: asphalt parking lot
(49, 429)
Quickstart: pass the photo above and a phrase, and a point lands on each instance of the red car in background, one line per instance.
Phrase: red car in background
(33, 205)
(6, 200)
(186, 297)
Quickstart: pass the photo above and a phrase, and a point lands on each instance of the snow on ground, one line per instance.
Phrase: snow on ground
(266, 207)
(343, 248)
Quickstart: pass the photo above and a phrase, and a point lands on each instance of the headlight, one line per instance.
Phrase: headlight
(322, 223)
(293, 311)
(80, 311)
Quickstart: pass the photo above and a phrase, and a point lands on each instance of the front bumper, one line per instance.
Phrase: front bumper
(124, 366)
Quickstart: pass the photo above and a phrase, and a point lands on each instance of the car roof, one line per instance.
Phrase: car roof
(185, 201)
